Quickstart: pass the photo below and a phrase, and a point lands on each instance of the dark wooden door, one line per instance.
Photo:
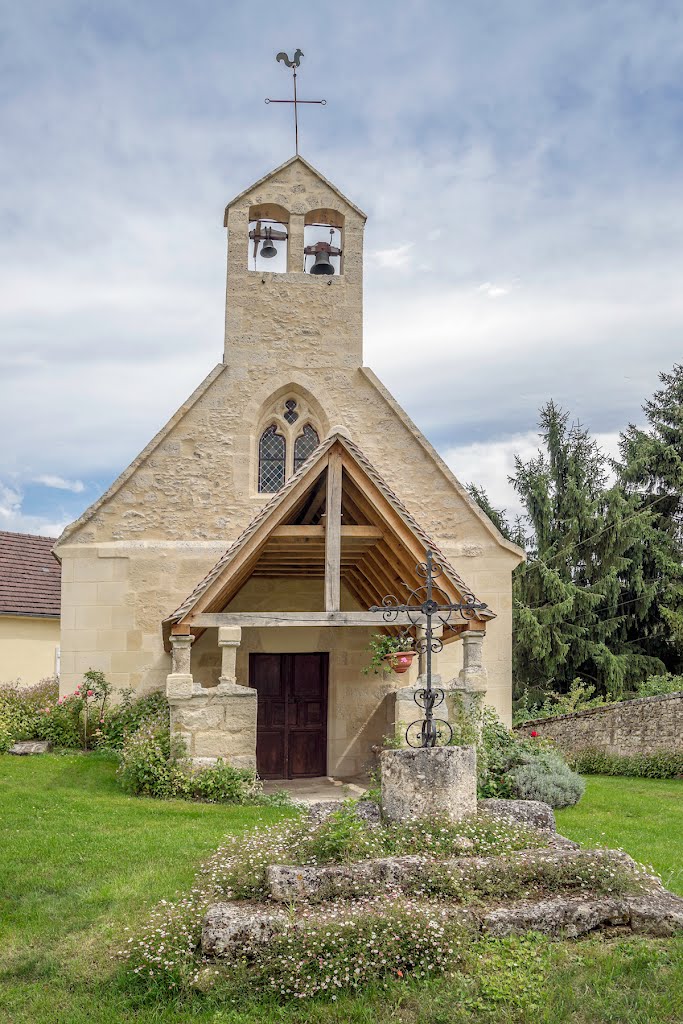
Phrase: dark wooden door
(291, 731)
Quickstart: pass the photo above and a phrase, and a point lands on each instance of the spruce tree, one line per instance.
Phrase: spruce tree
(652, 472)
(584, 541)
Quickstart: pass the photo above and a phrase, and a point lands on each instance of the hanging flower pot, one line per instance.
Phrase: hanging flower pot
(400, 661)
(390, 653)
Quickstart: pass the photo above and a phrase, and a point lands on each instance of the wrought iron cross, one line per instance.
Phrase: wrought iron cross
(294, 64)
(428, 601)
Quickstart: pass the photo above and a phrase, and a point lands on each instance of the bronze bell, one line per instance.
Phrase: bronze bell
(322, 264)
(268, 249)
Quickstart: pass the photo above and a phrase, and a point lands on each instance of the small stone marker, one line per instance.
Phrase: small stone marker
(429, 782)
(24, 747)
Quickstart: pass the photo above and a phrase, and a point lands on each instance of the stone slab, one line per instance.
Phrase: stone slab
(365, 810)
(27, 747)
(533, 813)
(229, 926)
(296, 883)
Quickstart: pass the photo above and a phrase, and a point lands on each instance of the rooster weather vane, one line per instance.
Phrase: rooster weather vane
(294, 64)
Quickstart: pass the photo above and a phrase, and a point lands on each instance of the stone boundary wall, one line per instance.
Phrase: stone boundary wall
(640, 726)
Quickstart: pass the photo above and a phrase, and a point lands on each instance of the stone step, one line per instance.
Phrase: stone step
(238, 928)
(296, 884)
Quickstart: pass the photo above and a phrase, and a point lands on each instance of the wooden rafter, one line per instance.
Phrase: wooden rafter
(374, 554)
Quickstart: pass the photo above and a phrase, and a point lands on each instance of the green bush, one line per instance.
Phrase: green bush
(662, 764)
(580, 697)
(546, 776)
(526, 768)
(153, 764)
(222, 783)
(150, 762)
(131, 714)
(655, 686)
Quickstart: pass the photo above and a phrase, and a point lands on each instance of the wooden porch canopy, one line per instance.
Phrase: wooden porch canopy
(335, 520)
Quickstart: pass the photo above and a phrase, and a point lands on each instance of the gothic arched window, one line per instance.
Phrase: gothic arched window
(305, 444)
(272, 451)
(291, 435)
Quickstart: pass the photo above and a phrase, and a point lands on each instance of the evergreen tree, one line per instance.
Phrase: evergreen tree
(652, 471)
(585, 542)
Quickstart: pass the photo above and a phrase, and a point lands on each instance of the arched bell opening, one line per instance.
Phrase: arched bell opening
(323, 242)
(268, 238)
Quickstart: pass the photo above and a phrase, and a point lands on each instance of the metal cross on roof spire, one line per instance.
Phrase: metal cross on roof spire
(294, 64)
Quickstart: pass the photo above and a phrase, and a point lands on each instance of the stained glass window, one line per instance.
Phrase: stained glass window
(305, 444)
(271, 465)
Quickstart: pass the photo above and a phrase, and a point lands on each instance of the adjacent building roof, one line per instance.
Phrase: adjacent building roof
(30, 576)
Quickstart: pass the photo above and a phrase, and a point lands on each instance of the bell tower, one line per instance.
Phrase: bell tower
(294, 294)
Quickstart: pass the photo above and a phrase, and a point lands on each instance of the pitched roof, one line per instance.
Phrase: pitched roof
(276, 170)
(30, 576)
(270, 509)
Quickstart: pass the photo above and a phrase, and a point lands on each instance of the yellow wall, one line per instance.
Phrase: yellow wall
(27, 648)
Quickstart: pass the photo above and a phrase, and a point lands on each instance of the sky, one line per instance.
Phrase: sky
(520, 164)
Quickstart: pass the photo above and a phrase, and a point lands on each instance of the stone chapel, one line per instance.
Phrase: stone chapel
(234, 562)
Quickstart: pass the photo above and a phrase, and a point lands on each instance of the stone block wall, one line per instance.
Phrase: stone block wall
(216, 723)
(630, 727)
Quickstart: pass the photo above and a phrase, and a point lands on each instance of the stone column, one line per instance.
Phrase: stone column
(472, 682)
(473, 677)
(295, 243)
(179, 682)
(218, 721)
(229, 639)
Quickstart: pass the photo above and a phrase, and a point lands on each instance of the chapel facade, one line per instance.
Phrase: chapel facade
(235, 561)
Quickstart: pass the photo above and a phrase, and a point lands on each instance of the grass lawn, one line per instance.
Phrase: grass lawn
(79, 861)
(642, 816)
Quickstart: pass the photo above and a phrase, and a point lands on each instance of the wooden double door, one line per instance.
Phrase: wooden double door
(291, 731)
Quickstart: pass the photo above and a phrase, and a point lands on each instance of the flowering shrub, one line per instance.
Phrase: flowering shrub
(20, 710)
(84, 718)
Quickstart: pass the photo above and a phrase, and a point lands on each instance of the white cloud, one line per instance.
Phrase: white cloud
(494, 291)
(488, 464)
(392, 258)
(58, 482)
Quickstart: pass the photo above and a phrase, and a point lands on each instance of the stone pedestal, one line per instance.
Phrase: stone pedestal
(434, 782)
(213, 722)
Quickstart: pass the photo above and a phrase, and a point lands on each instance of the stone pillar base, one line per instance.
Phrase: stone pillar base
(432, 782)
(217, 722)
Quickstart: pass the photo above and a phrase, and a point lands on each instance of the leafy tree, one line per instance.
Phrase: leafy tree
(652, 471)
